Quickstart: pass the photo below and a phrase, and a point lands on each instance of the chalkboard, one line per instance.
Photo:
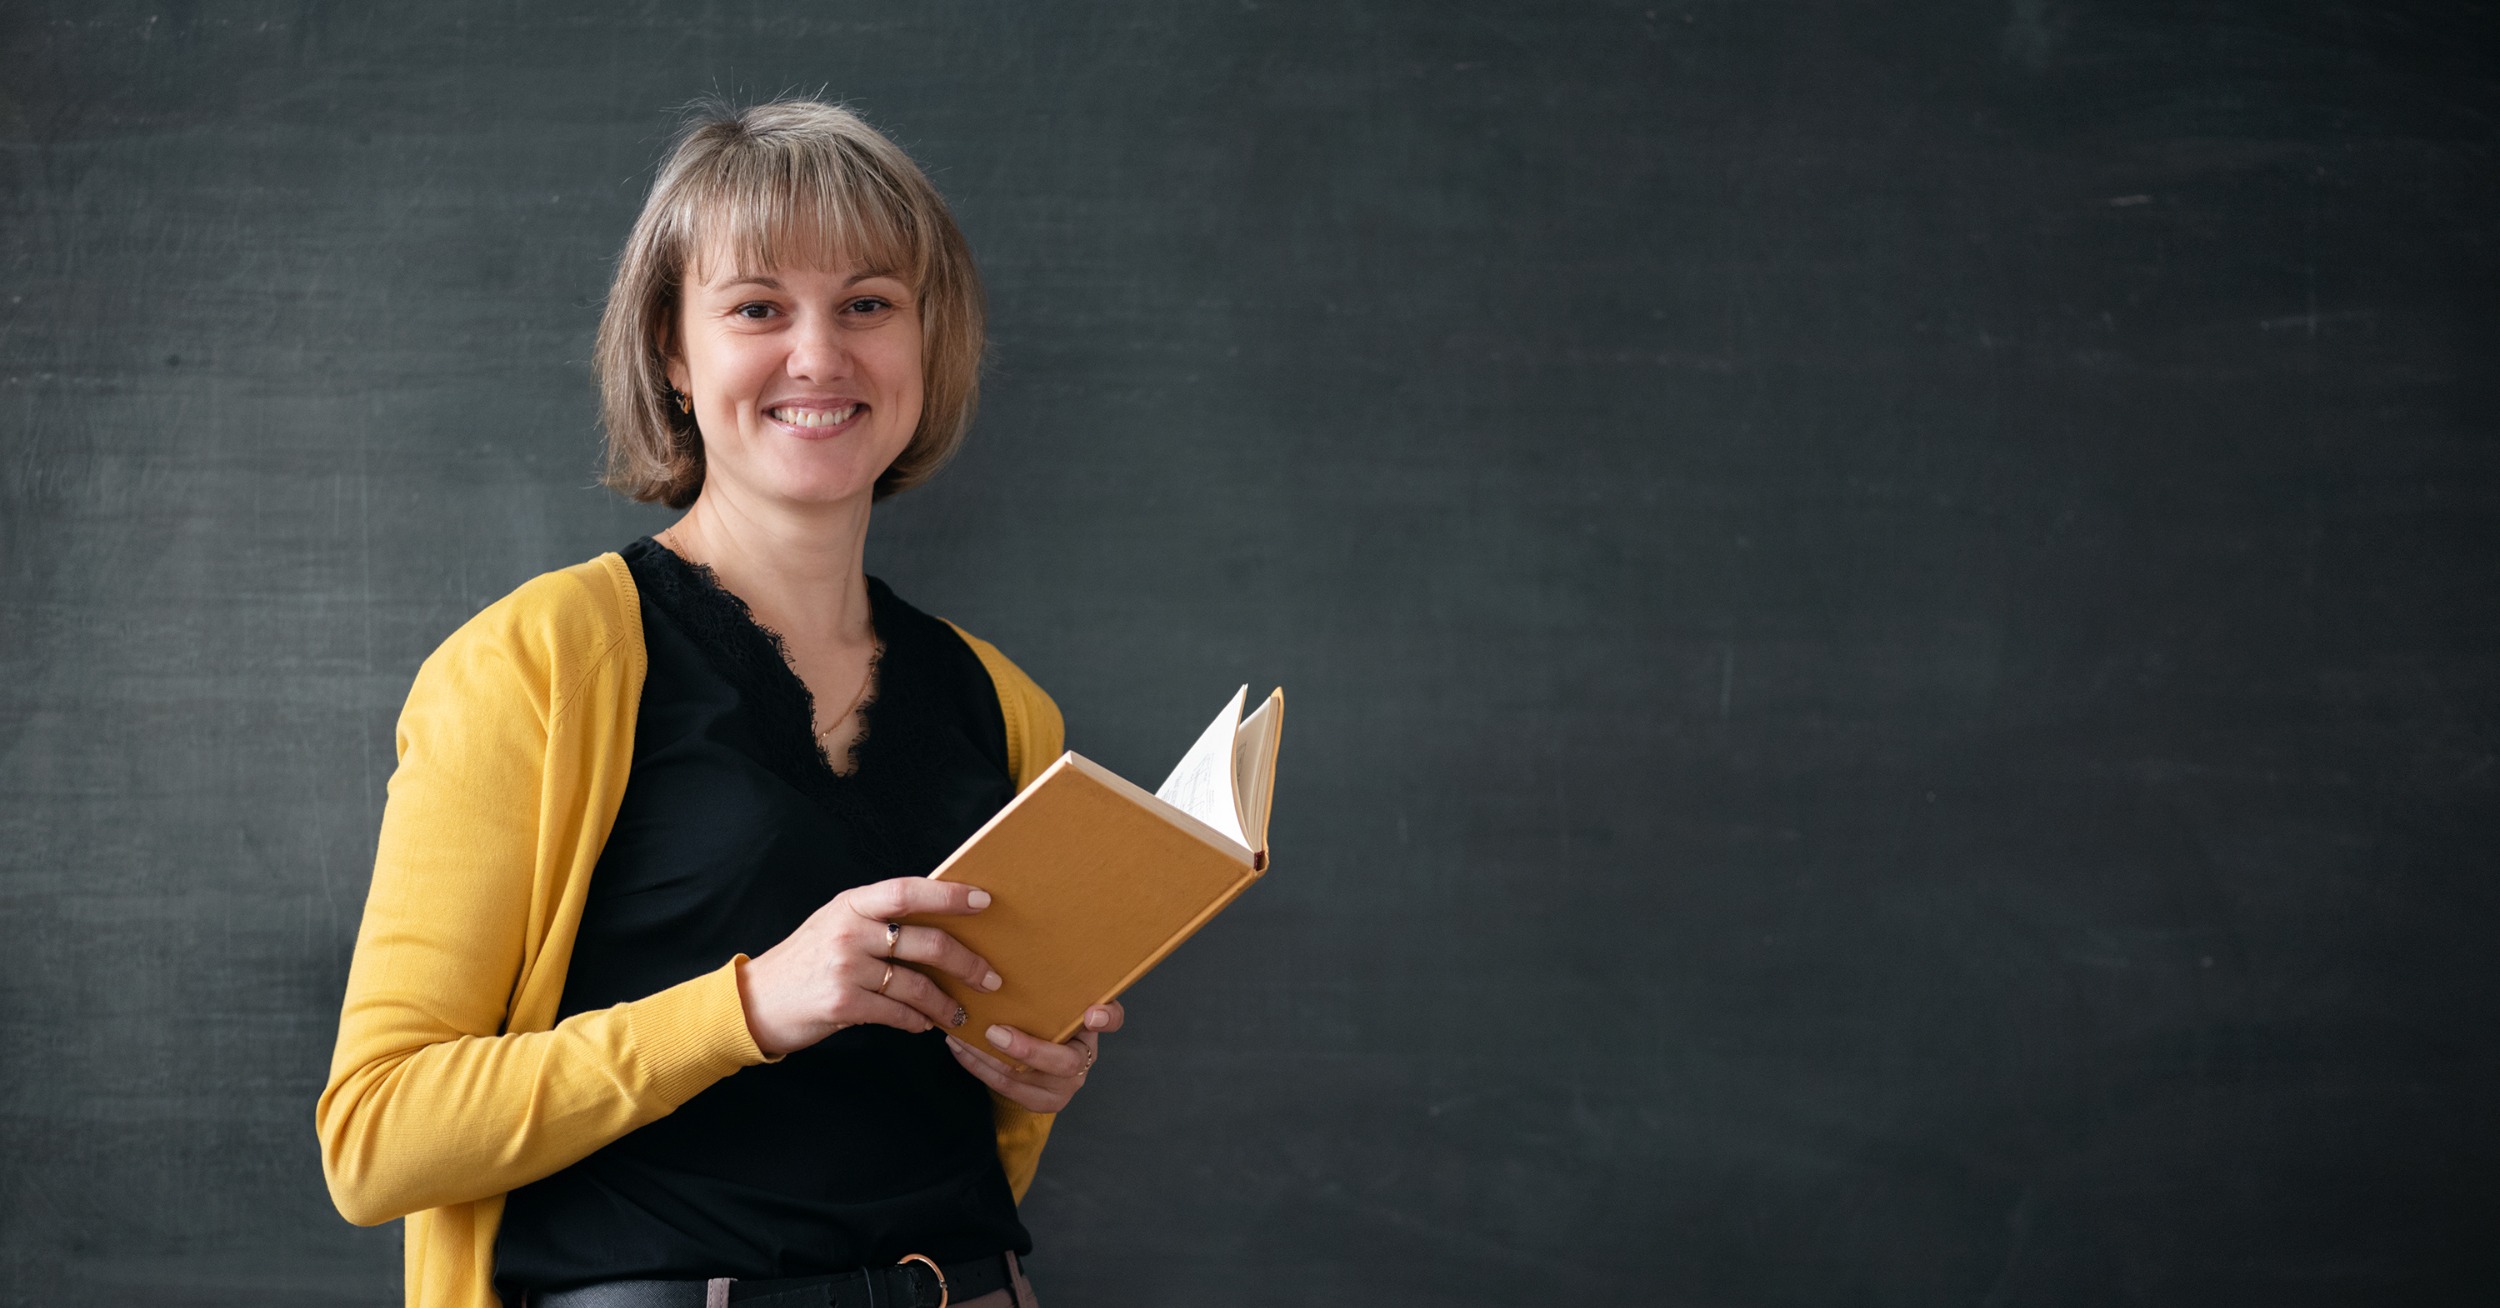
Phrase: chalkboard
(1889, 610)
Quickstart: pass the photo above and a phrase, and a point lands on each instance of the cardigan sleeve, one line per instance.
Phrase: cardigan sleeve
(440, 1092)
(1036, 735)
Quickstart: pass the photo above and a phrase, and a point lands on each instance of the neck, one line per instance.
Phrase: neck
(798, 567)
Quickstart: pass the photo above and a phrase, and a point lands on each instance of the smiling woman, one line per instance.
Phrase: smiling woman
(631, 1019)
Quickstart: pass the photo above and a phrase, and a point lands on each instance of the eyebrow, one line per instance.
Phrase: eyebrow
(772, 283)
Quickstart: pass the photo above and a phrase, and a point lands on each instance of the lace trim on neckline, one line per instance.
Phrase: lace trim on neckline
(848, 764)
(760, 659)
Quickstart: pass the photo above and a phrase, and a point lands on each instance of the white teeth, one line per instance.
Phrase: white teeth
(815, 417)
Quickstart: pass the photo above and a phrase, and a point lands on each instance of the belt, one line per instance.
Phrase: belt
(916, 1282)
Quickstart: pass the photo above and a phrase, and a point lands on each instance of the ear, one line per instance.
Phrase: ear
(681, 378)
(673, 361)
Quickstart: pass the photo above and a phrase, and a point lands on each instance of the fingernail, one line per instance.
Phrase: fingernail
(991, 982)
(978, 899)
(999, 1036)
(953, 1043)
(1097, 1021)
(960, 1015)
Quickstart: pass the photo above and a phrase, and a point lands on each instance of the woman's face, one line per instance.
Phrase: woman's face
(805, 381)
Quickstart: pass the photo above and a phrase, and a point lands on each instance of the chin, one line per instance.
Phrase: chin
(827, 485)
(826, 493)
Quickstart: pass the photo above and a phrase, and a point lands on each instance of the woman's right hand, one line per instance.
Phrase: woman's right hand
(826, 975)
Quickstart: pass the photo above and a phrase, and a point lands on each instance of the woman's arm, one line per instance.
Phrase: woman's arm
(512, 754)
(488, 827)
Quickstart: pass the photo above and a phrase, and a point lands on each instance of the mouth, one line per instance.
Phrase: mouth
(811, 418)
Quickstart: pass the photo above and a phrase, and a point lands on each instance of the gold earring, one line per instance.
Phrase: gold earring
(685, 404)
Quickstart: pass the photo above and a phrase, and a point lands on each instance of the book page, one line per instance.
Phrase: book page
(1202, 786)
(1254, 766)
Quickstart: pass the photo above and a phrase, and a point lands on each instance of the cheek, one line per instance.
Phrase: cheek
(734, 369)
(903, 376)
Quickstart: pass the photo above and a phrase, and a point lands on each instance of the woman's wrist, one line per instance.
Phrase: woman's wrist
(768, 1040)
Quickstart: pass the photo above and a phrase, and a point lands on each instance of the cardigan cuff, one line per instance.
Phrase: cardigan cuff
(693, 1034)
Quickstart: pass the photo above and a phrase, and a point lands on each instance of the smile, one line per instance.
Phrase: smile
(795, 416)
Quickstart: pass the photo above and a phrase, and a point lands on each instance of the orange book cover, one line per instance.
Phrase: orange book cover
(1093, 881)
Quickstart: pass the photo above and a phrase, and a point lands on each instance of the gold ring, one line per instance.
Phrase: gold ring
(893, 936)
(1090, 1052)
(886, 980)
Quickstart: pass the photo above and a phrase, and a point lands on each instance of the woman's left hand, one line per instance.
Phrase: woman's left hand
(1058, 1070)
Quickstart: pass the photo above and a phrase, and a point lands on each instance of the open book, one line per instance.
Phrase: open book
(1228, 777)
(1093, 881)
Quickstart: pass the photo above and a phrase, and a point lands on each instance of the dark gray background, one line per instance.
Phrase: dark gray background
(1889, 611)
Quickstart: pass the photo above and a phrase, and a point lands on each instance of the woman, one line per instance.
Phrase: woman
(632, 1019)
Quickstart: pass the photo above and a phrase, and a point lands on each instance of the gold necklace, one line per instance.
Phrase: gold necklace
(867, 680)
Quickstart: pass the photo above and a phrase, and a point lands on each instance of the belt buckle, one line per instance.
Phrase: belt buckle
(931, 1263)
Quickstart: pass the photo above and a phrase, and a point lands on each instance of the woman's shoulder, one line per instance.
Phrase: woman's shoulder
(549, 632)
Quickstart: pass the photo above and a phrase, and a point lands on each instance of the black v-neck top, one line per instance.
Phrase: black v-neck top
(733, 829)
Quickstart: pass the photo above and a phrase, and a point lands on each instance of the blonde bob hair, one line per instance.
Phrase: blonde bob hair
(790, 183)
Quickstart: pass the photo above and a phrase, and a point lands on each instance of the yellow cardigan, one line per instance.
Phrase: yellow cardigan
(452, 1083)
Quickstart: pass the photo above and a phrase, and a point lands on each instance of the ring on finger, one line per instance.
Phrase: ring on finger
(893, 937)
(1090, 1052)
(886, 980)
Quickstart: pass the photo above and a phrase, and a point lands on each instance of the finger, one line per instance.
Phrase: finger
(1042, 1094)
(984, 1057)
(1029, 1076)
(886, 1010)
(923, 995)
(886, 983)
(996, 1075)
(883, 901)
(939, 950)
(1106, 1017)
(1055, 1060)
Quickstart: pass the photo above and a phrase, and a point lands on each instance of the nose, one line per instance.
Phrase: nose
(817, 351)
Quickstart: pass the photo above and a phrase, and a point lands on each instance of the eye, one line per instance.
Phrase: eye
(867, 304)
(754, 310)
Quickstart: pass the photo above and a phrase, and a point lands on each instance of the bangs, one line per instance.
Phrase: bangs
(796, 204)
